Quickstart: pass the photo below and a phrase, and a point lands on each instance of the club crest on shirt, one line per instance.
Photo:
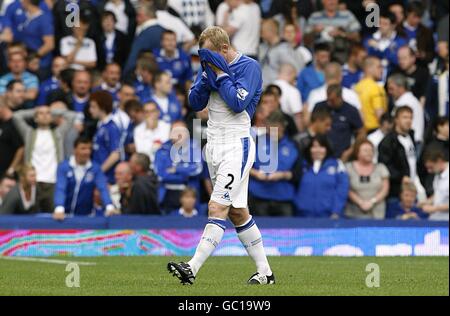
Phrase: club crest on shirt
(242, 94)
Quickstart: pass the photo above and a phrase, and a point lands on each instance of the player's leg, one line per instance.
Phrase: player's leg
(212, 235)
(251, 238)
(214, 230)
(246, 228)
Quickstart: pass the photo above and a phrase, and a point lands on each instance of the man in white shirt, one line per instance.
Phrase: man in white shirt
(79, 51)
(333, 75)
(44, 148)
(438, 205)
(291, 100)
(398, 89)
(241, 19)
(152, 133)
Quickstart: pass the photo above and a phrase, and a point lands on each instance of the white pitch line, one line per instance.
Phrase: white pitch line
(55, 261)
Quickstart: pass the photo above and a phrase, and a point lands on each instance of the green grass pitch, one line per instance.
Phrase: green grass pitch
(227, 276)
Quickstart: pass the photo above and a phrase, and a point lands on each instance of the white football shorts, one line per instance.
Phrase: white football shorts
(229, 166)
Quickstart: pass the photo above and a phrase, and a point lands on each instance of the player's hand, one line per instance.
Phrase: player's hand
(59, 216)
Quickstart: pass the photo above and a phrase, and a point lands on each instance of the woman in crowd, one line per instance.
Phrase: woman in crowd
(324, 185)
(369, 184)
(22, 198)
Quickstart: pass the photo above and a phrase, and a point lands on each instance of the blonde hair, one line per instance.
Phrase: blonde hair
(409, 187)
(216, 35)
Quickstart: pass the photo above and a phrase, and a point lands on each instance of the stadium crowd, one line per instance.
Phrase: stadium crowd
(91, 112)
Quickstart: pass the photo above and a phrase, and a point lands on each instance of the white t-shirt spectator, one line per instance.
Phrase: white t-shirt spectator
(408, 99)
(441, 195)
(320, 95)
(87, 53)
(148, 141)
(291, 100)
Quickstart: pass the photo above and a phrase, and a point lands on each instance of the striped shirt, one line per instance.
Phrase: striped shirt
(342, 19)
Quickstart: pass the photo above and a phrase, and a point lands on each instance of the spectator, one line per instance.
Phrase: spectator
(440, 140)
(273, 52)
(17, 67)
(188, 199)
(124, 15)
(291, 100)
(270, 102)
(151, 134)
(53, 83)
(321, 122)
(437, 102)
(352, 71)
(303, 55)
(148, 34)
(385, 43)
(146, 66)
(14, 97)
(38, 33)
(437, 206)
(6, 184)
(78, 177)
(333, 76)
(369, 184)
(123, 183)
(44, 148)
(419, 36)
(398, 152)
(11, 143)
(165, 98)
(107, 137)
(114, 45)
(87, 11)
(144, 192)
(244, 32)
(313, 76)
(372, 95)
(322, 173)
(174, 60)
(79, 50)
(407, 208)
(399, 11)
(133, 108)
(386, 126)
(398, 90)
(417, 76)
(15, 17)
(347, 123)
(22, 198)
(178, 170)
(332, 23)
(184, 36)
(123, 120)
(272, 191)
(111, 80)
